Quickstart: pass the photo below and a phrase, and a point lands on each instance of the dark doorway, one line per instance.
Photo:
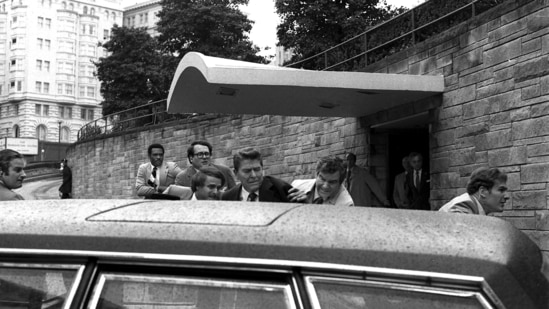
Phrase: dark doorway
(401, 143)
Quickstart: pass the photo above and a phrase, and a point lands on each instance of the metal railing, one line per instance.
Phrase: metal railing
(144, 115)
(394, 35)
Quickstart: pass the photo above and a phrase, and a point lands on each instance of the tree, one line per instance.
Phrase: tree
(213, 27)
(134, 72)
(310, 27)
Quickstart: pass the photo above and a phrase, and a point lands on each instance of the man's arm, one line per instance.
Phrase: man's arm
(173, 171)
(141, 186)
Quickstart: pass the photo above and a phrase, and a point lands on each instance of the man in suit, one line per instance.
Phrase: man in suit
(207, 184)
(12, 174)
(363, 187)
(156, 176)
(486, 193)
(327, 187)
(400, 191)
(254, 185)
(65, 190)
(417, 182)
(199, 154)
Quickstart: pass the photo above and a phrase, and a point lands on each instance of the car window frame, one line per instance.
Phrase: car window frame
(78, 277)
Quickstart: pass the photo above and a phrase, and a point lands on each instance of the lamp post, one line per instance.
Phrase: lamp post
(59, 143)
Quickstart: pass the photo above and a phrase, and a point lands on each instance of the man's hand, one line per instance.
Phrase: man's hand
(297, 196)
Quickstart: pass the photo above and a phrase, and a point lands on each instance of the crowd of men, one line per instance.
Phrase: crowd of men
(337, 182)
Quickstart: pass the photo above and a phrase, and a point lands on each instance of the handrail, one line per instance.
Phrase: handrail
(364, 51)
(143, 115)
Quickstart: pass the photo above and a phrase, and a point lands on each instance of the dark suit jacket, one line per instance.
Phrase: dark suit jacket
(419, 199)
(271, 190)
(66, 186)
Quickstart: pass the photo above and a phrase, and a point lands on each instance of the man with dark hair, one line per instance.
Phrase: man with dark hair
(155, 176)
(199, 154)
(486, 193)
(254, 185)
(417, 182)
(207, 183)
(362, 186)
(327, 187)
(12, 174)
(400, 190)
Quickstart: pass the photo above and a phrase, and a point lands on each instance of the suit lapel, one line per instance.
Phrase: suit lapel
(163, 173)
(266, 190)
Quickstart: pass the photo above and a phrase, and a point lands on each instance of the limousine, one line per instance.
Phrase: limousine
(151, 254)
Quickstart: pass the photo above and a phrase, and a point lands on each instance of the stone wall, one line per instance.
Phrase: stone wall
(106, 168)
(495, 108)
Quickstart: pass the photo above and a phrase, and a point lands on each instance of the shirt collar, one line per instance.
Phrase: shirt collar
(244, 194)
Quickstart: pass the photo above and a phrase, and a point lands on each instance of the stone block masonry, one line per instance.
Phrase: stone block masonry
(495, 109)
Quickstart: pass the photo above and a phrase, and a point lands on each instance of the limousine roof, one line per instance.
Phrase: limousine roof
(356, 236)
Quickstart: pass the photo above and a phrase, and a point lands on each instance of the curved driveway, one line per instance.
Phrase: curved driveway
(45, 189)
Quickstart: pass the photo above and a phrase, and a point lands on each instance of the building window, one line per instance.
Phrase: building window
(48, 23)
(86, 114)
(40, 22)
(41, 132)
(39, 65)
(85, 10)
(19, 85)
(65, 112)
(92, 29)
(40, 43)
(41, 110)
(38, 89)
(46, 87)
(48, 44)
(68, 89)
(105, 34)
(91, 92)
(65, 134)
(46, 66)
(15, 131)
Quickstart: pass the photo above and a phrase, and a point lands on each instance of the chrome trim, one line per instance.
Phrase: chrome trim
(96, 292)
(298, 297)
(74, 286)
(158, 257)
(77, 282)
(152, 259)
(196, 281)
(310, 280)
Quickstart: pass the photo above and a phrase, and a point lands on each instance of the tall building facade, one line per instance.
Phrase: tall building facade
(143, 15)
(47, 48)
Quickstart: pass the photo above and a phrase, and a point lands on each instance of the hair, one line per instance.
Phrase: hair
(199, 179)
(414, 154)
(149, 151)
(484, 177)
(351, 155)
(331, 165)
(6, 156)
(190, 150)
(246, 154)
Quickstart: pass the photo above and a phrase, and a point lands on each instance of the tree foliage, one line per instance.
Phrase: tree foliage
(213, 27)
(310, 27)
(133, 73)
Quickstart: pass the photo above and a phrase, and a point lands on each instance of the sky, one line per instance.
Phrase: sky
(263, 13)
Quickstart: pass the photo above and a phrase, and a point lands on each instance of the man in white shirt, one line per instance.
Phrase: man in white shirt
(327, 187)
(486, 193)
(157, 175)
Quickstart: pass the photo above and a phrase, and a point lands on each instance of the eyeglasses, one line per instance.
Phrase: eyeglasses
(202, 155)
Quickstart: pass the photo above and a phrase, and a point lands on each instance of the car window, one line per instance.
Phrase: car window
(36, 286)
(355, 294)
(152, 291)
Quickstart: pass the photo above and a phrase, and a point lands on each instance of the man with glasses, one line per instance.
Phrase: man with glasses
(199, 155)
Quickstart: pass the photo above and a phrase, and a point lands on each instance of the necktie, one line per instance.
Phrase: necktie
(318, 200)
(252, 197)
(417, 179)
(152, 179)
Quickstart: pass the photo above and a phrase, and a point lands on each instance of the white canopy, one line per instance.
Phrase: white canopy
(205, 84)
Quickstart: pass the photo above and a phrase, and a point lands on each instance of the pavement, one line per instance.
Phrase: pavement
(41, 189)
